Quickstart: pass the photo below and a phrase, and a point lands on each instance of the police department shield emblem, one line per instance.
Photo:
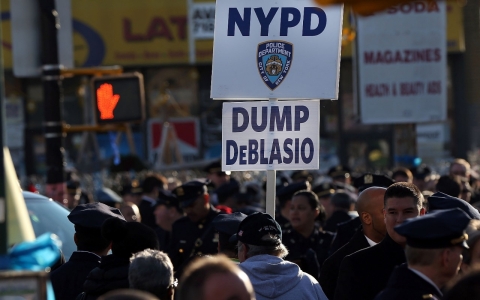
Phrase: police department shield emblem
(274, 61)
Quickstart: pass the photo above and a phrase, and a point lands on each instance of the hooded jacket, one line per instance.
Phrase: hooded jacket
(275, 278)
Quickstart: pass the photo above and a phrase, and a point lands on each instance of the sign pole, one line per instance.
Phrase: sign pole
(271, 183)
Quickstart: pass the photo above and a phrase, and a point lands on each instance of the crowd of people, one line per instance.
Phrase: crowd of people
(408, 234)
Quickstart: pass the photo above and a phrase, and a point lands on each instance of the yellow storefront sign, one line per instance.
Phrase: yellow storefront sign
(155, 32)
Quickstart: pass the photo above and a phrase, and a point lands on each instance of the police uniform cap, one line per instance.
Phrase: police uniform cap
(228, 223)
(133, 188)
(254, 227)
(286, 192)
(302, 175)
(92, 215)
(106, 195)
(339, 171)
(188, 192)
(440, 229)
(324, 189)
(341, 199)
(167, 198)
(368, 180)
(227, 190)
(214, 167)
(439, 201)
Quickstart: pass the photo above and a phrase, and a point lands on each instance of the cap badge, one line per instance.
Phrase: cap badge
(180, 192)
(338, 168)
(368, 179)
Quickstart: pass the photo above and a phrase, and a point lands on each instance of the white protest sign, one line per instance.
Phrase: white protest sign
(402, 64)
(270, 135)
(276, 49)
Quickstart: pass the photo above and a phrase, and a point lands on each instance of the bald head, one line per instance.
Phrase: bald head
(371, 198)
(370, 209)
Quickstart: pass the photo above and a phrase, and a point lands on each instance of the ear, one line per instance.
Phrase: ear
(75, 239)
(422, 211)
(384, 215)
(206, 198)
(445, 257)
(317, 212)
(367, 219)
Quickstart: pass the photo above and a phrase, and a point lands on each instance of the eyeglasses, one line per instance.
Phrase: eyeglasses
(173, 285)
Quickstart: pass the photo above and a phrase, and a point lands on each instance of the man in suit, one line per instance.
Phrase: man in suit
(370, 211)
(151, 186)
(434, 254)
(67, 280)
(365, 273)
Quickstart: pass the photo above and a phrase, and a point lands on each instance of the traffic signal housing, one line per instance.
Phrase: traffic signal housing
(119, 98)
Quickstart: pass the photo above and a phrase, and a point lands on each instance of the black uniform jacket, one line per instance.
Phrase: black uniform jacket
(345, 232)
(405, 284)
(67, 280)
(191, 239)
(337, 217)
(331, 266)
(298, 246)
(365, 273)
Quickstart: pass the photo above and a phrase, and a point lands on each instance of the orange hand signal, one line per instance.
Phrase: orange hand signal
(106, 101)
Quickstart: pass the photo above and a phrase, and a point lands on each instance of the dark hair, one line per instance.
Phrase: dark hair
(90, 239)
(401, 171)
(404, 190)
(129, 237)
(152, 181)
(312, 198)
(451, 186)
(341, 200)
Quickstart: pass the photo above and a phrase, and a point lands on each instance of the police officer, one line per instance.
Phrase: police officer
(226, 225)
(193, 234)
(67, 280)
(434, 253)
(167, 211)
(307, 243)
(284, 196)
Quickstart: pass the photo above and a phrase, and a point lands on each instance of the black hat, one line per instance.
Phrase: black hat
(254, 227)
(190, 191)
(167, 198)
(439, 201)
(132, 187)
(106, 195)
(440, 229)
(227, 190)
(302, 175)
(214, 167)
(342, 199)
(324, 189)
(368, 180)
(286, 193)
(92, 215)
(228, 223)
(421, 171)
(339, 171)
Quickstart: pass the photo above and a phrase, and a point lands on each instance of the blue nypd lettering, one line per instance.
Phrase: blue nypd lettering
(274, 60)
(314, 20)
(287, 151)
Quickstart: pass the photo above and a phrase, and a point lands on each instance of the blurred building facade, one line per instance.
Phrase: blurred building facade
(154, 37)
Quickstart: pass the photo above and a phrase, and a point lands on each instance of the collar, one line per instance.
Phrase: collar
(370, 242)
(80, 251)
(424, 277)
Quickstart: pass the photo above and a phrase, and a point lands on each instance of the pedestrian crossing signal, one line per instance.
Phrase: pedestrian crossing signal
(119, 98)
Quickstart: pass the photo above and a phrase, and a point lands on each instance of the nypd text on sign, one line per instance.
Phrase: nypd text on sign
(254, 50)
(273, 135)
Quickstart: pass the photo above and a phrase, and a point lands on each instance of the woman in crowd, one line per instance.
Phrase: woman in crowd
(307, 243)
